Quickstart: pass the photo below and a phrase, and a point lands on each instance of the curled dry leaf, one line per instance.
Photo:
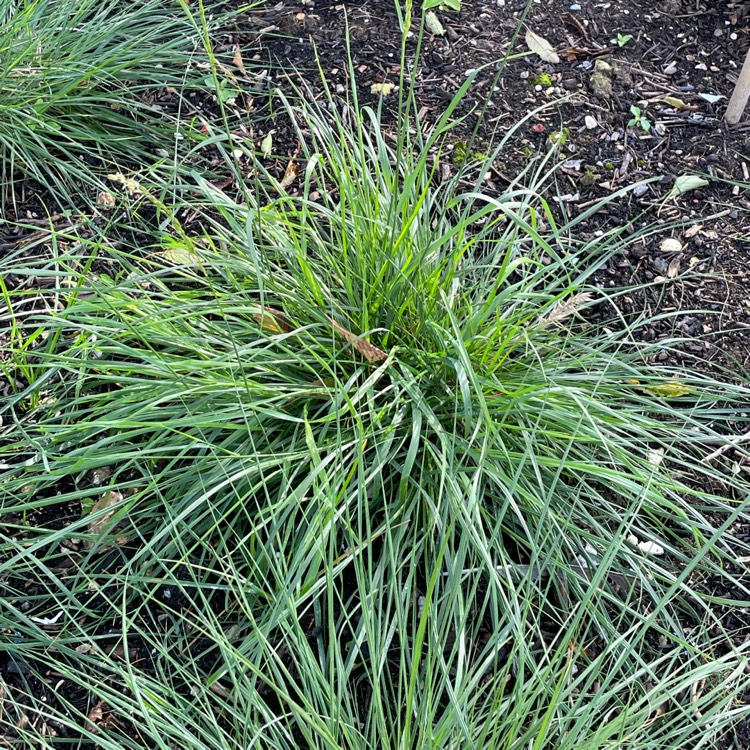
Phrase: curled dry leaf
(673, 269)
(371, 353)
(109, 501)
(540, 46)
(566, 309)
(273, 320)
(238, 62)
(290, 175)
(95, 716)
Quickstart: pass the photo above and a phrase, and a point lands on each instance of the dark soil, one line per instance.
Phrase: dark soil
(667, 55)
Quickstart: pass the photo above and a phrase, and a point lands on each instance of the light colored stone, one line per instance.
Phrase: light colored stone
(670, 245)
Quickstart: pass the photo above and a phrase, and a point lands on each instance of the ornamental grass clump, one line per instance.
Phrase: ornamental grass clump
(86, 88)
(363, 466)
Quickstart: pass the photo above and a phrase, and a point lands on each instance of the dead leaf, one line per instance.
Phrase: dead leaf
(371, 353)
(97, 525)
(432, 22)
(95, 716)
(181, 256)
(674, 268)
(266, 145)
(290, 175)
(540, 46)
(273, 320)
(238, 62)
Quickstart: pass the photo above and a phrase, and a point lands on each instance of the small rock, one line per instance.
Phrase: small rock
(573, 164)
(651, 548)
(569, 84)
(640, 190)
(670, 245)
(575, 7)
(590, 122)
(17, 666)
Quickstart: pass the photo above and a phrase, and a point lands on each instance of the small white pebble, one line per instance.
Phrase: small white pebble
(656, 457)
(651, 548)
(670, 245)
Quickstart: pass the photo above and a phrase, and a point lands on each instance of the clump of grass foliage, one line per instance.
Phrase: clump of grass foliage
(369, 466)
(72, 83)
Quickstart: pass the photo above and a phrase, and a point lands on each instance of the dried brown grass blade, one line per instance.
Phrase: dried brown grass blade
(371, 353)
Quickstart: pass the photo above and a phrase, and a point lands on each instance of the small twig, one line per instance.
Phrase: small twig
(731, 443)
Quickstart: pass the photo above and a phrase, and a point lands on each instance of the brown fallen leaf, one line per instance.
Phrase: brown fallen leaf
(290, 175)
(673, 268)
(273, 320)
(238, 62)
(95, 716)
(97, 525)
(110, 498)
(371, 353)
(565, 309)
